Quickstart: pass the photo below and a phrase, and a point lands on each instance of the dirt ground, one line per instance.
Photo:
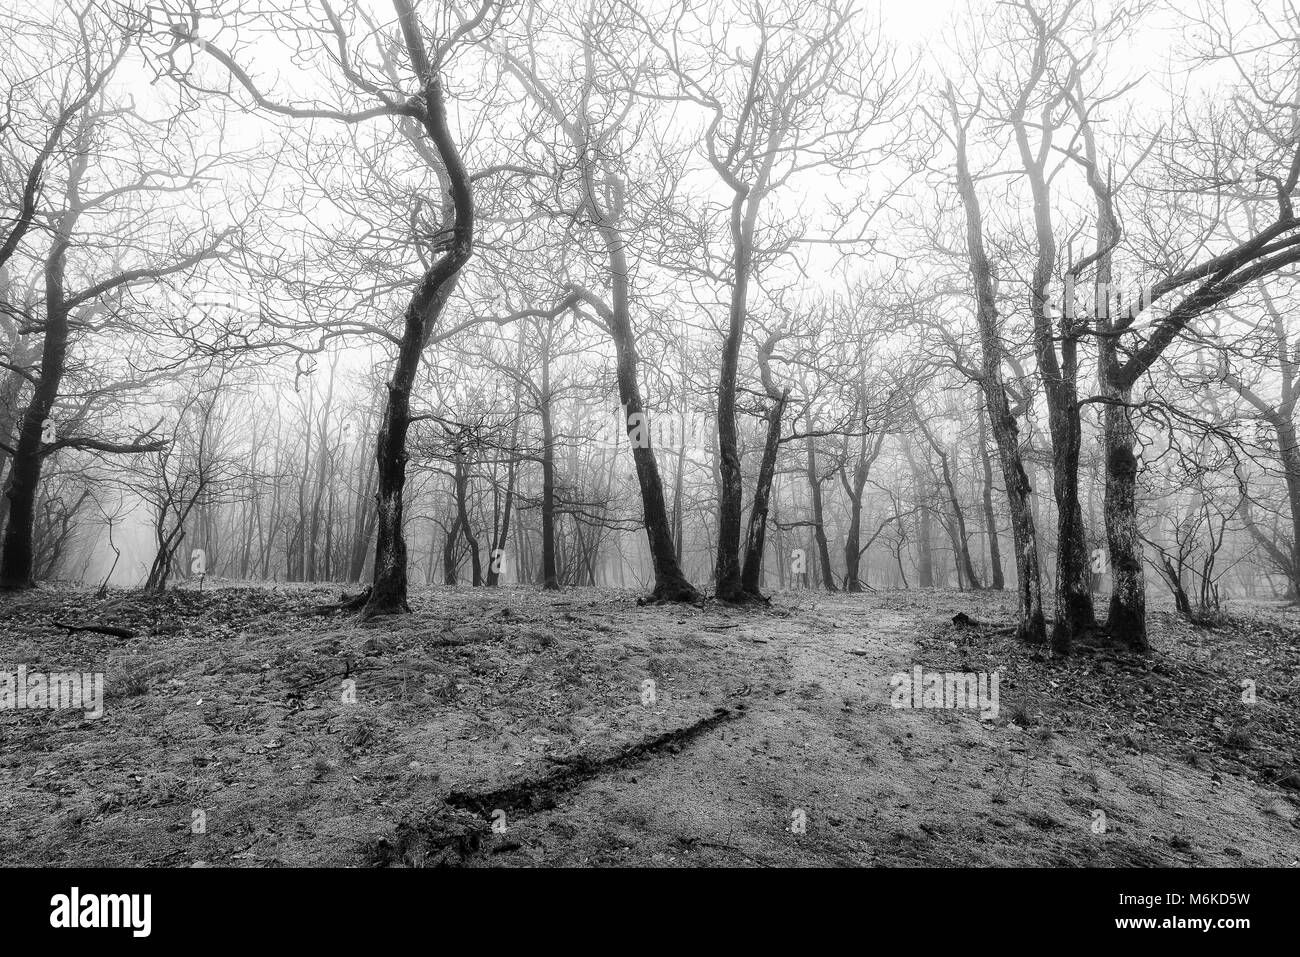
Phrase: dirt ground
(509, 727)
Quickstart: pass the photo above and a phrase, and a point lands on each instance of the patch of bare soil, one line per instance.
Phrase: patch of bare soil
(510, 727)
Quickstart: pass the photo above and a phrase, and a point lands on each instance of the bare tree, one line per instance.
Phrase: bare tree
(598, 194)
(1031, 625)
(809, 68)
(422, 118)
(108, 199)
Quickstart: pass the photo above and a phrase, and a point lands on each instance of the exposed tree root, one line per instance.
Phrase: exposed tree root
(1032, 632)
(732, 594)
(373, 610)
(540, 793)
(98, 629)
(346, 602)
(741, 597)
(1099, 641)
(679, 592)
(447, 835)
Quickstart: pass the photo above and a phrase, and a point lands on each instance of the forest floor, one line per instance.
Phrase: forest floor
(510, 727)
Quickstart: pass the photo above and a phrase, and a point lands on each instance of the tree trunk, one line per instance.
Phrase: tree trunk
(960, 539)
(25, 467)
(727, 571)
(550, 578)
(1074, 611)
(1126, 617)
(924, 530)
(1174, 575)
(852, 546)
(1031, 626)
(670, 584)
(363, 527)
(854, 487)
(449, 552)
(462, 516)
(1059, 375)
(998, 583)
(1288, 453)
(1126, 622)
(11, 384)
(389, 590)
(679, 479)
(503, 536)
(751, 573)
(818, 510)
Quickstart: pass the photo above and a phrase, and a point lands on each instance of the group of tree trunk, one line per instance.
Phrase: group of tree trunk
(786, 98)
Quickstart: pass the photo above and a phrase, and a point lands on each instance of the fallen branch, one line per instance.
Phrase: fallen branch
(98, 629)
(963, 620)
(540, 793)
(454, 831)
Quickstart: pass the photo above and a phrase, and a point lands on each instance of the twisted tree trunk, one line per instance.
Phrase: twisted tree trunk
(389, 591)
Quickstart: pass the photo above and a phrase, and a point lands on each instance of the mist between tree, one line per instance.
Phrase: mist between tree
(697, 300)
